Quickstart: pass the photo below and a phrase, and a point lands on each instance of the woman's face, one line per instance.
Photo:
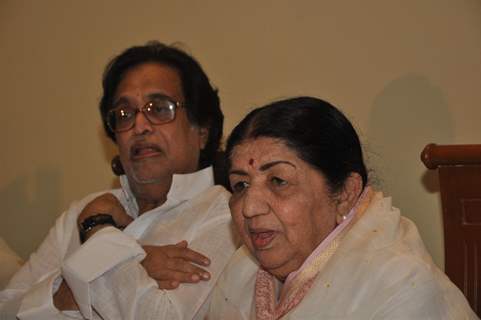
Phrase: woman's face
(280, 204)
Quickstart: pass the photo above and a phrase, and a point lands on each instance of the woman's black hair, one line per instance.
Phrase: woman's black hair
(318, 132)
(201, 99)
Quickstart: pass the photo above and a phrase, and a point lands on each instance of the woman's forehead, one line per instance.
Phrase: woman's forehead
(255, 152)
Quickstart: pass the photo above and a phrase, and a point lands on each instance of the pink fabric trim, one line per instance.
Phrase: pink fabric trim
(322, 246)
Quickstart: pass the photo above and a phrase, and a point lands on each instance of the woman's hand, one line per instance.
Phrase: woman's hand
(172, 265)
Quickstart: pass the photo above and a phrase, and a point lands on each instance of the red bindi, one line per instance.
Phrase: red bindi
(251, 162)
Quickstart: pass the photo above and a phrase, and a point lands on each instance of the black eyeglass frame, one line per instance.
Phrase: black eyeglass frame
(173, 105)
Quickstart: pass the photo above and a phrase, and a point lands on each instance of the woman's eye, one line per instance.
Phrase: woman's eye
(239, 186)
(278, 181)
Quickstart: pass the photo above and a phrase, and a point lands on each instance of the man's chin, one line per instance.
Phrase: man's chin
(143, 176)
(140, 178)
(146, 180)
(146, 173)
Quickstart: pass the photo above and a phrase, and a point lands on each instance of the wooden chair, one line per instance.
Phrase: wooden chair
(459, 169)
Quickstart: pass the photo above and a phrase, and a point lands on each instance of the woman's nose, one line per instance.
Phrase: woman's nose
(255, 203)
(142, 125)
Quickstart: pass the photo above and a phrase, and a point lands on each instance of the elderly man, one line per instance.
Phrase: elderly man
(155, 247)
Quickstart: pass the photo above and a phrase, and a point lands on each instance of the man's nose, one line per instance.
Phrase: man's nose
(142, 125)
(255, 202)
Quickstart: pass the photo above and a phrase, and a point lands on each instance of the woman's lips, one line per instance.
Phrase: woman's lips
(261, 239)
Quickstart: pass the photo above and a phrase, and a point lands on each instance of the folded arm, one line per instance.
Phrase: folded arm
(122, 288)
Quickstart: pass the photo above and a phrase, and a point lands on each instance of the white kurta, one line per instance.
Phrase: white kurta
(381, 270)
(105, 273)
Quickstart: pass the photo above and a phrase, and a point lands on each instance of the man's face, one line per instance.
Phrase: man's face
(153, 153)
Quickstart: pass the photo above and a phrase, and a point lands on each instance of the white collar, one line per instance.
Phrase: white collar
(184, 187)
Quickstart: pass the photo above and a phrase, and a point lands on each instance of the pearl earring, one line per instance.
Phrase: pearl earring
(340, 218)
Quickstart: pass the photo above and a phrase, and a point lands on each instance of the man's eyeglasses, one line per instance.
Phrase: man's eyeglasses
(158, 111)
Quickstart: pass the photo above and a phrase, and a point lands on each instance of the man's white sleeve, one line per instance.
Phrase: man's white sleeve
(118, 287)
(30, 292)
(106, 249)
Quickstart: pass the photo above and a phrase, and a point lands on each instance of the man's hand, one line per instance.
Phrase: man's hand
(172, 265)
(63, 299)
(106, 203)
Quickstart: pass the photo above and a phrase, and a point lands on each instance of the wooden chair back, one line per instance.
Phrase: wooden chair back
(459, 169)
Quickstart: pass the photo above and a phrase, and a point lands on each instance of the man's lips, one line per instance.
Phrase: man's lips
(261, 238)
(144, 150)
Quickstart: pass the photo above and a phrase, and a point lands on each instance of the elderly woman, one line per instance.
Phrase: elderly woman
(319, 243)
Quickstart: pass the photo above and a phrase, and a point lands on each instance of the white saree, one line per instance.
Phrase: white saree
(378, 269)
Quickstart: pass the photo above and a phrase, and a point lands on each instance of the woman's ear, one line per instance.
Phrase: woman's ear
(349, 194)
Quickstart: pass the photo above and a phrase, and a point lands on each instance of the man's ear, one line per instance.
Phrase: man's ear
(203, 137)
(349, 194)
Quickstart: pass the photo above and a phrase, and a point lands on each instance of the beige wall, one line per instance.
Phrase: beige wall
(406, 73)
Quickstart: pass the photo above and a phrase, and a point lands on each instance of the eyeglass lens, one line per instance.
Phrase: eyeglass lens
(157, 111)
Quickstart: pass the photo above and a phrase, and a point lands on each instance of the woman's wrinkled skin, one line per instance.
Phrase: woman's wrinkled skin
(281, 205)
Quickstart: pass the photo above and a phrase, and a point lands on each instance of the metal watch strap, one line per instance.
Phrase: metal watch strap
(93, 221)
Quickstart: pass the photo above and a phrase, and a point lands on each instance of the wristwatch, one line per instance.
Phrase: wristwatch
(93, 221)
